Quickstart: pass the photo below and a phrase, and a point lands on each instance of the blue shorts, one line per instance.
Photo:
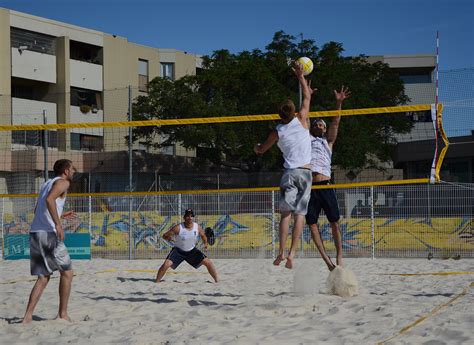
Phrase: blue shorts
(322, 199)
(194, 257)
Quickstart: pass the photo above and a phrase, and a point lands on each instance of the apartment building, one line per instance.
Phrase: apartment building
(418, 75)
(53, 72)
(73, 75)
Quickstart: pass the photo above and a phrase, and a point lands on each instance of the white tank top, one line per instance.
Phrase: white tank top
(42, 220)
(294, 142)
(186, 239)
(321, 156)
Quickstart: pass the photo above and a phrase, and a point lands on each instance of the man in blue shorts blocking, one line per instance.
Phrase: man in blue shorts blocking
(325, 199)
(184, 237)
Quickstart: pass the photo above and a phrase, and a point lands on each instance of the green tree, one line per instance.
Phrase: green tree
(256, 82)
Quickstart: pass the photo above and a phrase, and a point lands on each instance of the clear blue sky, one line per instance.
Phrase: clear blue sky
(371, 27)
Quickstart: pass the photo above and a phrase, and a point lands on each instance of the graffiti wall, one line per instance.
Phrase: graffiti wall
(110, 232)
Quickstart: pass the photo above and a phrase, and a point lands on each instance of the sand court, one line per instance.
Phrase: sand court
(405, 301)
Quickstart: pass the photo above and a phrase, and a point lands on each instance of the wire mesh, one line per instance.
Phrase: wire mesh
(401, 221)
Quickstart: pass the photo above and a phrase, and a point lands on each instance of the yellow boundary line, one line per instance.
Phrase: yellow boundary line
(222, 119)
(431, 313)
(233, 190)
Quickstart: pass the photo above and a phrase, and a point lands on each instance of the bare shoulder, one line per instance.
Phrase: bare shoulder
(304, 120)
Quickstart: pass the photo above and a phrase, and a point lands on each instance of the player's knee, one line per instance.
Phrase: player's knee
(167, 264)
(313, 228)
(43, 279)
(335, 227)
(69, 274)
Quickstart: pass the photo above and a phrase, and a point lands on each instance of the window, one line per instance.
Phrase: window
(86, 97)
(85, 142)
(34, 138)
(85, 52)
(415, 75)
(31, 89)
(167, 70)
(142, 75)
(167, 148)
(416, 79)
(33, 41)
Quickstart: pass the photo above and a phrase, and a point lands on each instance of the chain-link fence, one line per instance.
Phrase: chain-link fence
(387, 221)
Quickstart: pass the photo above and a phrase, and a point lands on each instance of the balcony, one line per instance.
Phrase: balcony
(33, 65)
(86, 75)
(29, 112)
(95, 115)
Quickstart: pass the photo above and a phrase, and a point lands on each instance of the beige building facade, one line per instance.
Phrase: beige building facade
(60, 73)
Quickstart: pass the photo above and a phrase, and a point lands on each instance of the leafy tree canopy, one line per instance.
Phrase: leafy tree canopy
(256, 82)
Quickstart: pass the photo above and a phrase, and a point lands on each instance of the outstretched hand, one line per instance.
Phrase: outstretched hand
(312, 91)
(298, 69)
(342, 95)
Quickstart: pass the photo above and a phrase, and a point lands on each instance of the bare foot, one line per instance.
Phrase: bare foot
(65, 318)
(330, 264)
(289, 263)
(278, 260)
(26, 320)
(339, 261)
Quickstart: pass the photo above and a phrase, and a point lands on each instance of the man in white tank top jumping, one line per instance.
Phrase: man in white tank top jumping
(293, 138)
(184, 237)
(47, 250)
(322, 142)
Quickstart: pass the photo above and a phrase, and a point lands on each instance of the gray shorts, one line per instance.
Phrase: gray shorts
(295, 190)
(48, 254)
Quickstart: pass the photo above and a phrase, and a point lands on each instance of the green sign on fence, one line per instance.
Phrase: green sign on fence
(17, 246)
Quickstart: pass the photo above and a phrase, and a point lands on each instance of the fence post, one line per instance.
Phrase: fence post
(159, 195)
(372, 220)
(3, 234)
(130, 177)
(273, 225)
(156, 191)
(429, 202)
(218, 196)
(90, 204)
(45, 144)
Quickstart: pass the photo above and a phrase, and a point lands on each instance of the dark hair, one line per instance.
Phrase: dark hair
(287, 110)
(188, 212)
(60, 166)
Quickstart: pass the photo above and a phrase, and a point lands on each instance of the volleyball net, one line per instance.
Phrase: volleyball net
(133, 156)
